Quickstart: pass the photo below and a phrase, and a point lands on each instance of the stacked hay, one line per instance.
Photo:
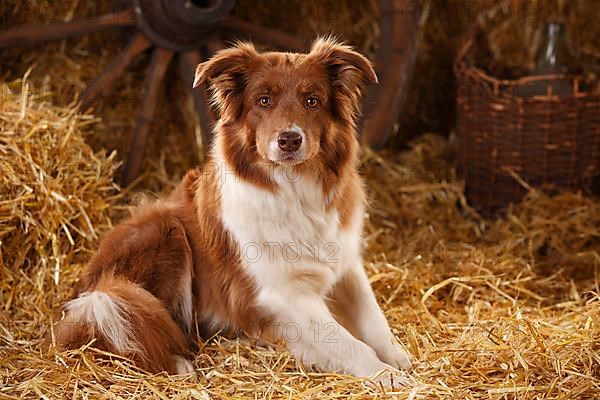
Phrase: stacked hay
(56, 198)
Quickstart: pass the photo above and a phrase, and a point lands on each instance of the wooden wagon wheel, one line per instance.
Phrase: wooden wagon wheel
(192, 30)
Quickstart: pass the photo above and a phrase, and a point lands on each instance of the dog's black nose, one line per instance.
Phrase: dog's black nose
(289, 141)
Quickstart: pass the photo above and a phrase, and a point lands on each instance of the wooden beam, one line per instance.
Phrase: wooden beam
(139, 137)
(29, 34)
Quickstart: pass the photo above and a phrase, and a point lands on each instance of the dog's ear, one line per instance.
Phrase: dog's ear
(348, 70)
(226, 75)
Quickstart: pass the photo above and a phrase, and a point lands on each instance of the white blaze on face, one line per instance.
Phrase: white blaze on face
(298, 130)
(275, 154)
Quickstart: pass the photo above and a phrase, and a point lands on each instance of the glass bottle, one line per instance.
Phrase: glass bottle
(552, 55)
(551, 59)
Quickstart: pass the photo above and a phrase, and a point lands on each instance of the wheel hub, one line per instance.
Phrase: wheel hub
(180, 25)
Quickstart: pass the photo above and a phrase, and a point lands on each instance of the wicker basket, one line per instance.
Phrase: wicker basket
(508, 140)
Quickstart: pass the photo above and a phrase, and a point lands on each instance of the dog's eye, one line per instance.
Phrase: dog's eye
(312, 102)
(264, 101)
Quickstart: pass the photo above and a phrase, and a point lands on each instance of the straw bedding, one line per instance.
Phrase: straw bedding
(491, 309)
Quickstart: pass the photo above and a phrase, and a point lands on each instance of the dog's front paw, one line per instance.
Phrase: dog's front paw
(396, 356)
(182, 365)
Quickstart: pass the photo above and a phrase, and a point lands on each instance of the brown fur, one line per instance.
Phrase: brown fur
(151, 249)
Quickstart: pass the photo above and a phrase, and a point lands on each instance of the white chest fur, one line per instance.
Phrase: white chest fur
(289, 240)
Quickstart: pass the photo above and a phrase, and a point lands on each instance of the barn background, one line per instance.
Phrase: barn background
(491, 308)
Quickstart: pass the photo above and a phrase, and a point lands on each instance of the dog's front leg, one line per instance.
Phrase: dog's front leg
(314, 336)
(355, 303)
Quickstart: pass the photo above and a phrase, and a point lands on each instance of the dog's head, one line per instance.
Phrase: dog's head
(287, 107)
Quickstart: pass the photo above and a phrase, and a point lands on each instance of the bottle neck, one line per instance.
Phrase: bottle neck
(550, 58)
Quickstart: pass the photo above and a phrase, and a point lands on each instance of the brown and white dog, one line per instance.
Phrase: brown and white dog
(265, 241)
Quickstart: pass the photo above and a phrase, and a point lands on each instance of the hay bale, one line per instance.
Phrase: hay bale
(56, 198)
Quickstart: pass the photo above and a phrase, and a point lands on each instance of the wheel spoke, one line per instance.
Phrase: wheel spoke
(29, 34)
(139, 137)
(238, 27)
(103, 85)
(188, 62)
